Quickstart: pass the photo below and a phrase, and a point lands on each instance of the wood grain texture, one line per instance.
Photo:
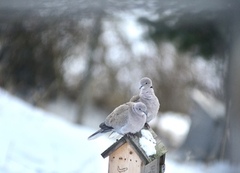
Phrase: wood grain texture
(125, 160)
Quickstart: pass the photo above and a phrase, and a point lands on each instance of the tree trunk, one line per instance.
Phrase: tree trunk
(231, 145)
(83, 94)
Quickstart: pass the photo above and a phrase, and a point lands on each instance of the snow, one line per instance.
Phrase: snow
(33, 141)
(147, 142)
(173, 126)
(177, 124)
(198, 167)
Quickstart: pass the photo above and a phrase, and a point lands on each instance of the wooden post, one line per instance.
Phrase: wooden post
(162, 164)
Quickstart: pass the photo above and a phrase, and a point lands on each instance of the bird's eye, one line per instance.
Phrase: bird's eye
(146, 82)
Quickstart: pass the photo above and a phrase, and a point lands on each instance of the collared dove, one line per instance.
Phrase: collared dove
(126, 118)
(148, 97)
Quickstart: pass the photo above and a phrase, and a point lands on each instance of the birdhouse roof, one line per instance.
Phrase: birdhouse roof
(133, 141)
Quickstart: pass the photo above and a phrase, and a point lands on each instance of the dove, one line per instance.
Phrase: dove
(126, 118)
(148, 97)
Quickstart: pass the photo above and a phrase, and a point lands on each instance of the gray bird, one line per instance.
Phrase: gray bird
(148, 97)
(126, 118)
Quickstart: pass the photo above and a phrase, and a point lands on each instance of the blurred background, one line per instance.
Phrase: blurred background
(65, 65)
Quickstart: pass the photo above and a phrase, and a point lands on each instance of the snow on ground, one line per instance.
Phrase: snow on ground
(175, 123)
(198, 167)
(33, 141)
(172, 126)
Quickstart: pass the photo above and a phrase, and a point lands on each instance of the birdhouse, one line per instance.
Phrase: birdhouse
(130, 154)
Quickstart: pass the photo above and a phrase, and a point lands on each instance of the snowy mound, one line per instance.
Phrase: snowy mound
(32, 140)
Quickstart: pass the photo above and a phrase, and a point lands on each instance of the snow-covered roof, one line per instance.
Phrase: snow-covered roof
(142, 152)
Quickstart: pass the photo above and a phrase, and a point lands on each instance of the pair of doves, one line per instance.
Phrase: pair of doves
(132, 116)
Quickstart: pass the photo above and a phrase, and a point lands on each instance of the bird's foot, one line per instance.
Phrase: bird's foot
(147, 126)
(138, 134)
(134, 135)
(130, 135)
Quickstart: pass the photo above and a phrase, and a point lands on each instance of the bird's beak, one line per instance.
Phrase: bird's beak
(146, 112)
(141, 87)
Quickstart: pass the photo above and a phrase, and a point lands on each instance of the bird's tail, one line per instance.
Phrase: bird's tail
(104, 129)
(96, 134)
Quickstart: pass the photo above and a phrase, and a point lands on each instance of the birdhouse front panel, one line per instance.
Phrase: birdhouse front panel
(125, 160)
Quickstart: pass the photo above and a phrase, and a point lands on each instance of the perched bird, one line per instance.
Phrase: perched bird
(126, 118)
(148, 97)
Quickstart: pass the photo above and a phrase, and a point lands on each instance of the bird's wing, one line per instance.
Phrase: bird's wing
(119, 116)
(135, 98)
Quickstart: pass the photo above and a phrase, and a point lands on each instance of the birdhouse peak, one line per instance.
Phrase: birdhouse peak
(146, 145)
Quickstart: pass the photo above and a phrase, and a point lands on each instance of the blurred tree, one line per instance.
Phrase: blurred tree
(196, 33)
(31, 55)
(84, 89)
(231, 140)
(210, 35)
(24, 67)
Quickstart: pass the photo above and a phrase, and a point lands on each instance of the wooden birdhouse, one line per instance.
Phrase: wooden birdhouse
(130, 155)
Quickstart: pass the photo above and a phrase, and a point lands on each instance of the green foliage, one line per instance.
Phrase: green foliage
(189, 33)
